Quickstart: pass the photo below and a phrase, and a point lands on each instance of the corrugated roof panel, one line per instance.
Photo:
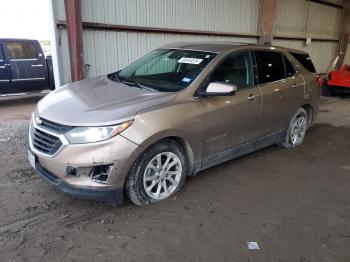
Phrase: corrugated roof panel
(291, 17)
(305, 18)
(59, 10)
(109, 51)
(63, 53)
(324, 21)
(212, 15)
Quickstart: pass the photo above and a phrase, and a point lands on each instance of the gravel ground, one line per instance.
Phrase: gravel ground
(294, 203)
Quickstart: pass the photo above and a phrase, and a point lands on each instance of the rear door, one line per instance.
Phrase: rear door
(296, 81)
(27, 65)
(281, 92)
(4, 73)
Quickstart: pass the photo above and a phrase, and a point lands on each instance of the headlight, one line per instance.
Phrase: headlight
(82, 135)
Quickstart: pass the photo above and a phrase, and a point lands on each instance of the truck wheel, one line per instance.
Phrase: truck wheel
(296, 130)
(157, 174)
(326, 91)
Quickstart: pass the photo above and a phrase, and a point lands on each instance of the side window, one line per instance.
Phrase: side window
(21, 50)
(235, 70)
(305, 60)
(270, 66)
(290, 70)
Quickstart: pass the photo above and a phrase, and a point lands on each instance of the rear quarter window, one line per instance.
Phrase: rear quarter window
(305, 60)
(21, 50)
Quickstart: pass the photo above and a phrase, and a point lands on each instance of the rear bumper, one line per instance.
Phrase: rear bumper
(105, 195)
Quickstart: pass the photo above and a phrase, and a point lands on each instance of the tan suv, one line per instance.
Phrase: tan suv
(178, 110)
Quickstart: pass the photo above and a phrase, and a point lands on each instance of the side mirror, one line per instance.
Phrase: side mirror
(220, 89)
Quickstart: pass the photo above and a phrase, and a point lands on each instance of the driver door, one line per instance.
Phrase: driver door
(230, 121)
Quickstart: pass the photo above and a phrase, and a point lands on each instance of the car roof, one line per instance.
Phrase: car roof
(215, 47)
(218, 47)
(16, 39)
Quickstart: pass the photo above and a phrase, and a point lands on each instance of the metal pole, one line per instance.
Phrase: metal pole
(75, 38)
(267, 13)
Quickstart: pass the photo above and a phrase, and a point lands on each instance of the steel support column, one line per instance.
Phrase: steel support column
(267, 13)
(75, 38)
(344, 35)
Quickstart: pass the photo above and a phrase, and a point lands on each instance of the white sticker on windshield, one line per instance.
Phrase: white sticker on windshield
(188, 60)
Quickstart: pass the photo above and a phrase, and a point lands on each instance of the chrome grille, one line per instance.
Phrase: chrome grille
(54, 126)
(44, 142)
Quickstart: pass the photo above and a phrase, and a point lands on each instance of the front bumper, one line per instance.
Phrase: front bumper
(105, 195)
(117, 152)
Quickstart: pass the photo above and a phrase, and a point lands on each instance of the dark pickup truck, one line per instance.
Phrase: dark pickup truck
(23, 67)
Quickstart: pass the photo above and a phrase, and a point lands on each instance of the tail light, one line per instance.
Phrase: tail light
(320, 80)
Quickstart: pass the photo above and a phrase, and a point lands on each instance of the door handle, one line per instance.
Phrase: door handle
(251, 97)
(294, 85)
(37, 65)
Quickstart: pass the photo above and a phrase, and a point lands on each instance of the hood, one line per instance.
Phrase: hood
(98, 101)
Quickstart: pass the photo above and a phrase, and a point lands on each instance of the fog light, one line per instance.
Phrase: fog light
(71, 171)
(100, 173)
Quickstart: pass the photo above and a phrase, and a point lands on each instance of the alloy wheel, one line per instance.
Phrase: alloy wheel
(162, 175)
(298, 130)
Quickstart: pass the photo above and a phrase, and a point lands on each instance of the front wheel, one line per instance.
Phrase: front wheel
(158, 173)
(296, 130)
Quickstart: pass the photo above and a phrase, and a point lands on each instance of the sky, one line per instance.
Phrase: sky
(25, 19)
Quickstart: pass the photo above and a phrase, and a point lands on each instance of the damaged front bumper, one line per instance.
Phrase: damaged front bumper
(106, 195)
(94, 170)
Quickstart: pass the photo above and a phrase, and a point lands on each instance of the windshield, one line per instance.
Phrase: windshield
(167, 70)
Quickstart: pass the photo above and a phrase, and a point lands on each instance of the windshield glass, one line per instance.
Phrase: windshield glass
(167, 70)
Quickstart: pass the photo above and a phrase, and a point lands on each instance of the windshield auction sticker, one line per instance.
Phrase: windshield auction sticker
(188, 60)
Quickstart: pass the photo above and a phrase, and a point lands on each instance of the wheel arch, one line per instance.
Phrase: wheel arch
(310, 113)
(188, 151)
(132, 182)
(180, 139)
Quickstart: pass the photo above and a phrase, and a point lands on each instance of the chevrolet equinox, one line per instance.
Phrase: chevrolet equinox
(178, 110)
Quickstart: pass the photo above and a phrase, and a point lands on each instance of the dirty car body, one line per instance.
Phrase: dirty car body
(193, 104)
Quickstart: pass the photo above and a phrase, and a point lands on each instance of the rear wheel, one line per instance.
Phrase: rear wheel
(296, 130)
(158, 174)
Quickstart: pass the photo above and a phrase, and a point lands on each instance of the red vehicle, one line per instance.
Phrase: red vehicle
(338, 81)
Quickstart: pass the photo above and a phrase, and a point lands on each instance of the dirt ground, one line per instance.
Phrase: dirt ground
(294, 203)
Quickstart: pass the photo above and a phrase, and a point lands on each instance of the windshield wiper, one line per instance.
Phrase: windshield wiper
(138, 84)
(144, 86)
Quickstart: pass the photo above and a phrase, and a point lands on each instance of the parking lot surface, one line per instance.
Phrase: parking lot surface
(294, 203)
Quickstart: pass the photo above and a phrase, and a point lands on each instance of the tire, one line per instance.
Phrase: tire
(151, 172)
(333, 91)
(296, 130)
(326, 91)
